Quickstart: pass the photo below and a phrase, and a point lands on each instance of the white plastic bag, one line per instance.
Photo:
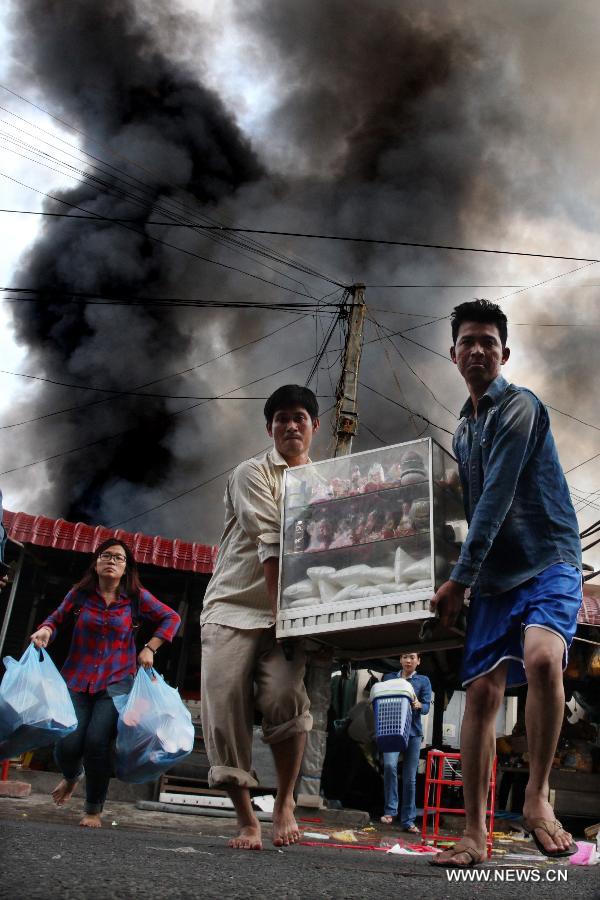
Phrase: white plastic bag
(35, 706)
(154, 730)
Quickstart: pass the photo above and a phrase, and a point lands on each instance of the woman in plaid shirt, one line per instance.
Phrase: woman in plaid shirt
(101, 664)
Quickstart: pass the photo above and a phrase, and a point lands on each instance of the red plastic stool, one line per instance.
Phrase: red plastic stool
(444, 769)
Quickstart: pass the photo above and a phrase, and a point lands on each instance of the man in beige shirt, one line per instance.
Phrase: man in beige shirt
(243, 666)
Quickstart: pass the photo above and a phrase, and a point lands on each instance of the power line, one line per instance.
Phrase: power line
(195, 487)
(448, 360)
(168, 243)
(176, 218)
(402, 406)
(336, 237)
(116, 394)
(52, 294)
(585, 461)
(416, 374)
(169, 415)
(252, 245)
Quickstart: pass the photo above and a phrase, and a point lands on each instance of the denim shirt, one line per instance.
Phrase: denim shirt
(517, 502)
(421, 685)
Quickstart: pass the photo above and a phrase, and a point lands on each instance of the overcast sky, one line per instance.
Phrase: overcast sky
(475, 126)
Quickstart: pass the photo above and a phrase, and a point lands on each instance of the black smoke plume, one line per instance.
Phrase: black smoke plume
(385, 118)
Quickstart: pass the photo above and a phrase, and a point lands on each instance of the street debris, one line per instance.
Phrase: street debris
(346, 837)
(316, 835)
(586, 855)
(183, 850)
(266, 802)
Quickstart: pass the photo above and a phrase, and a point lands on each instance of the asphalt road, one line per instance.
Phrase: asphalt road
(45, 859)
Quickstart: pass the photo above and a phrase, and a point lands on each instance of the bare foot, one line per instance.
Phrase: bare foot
(458, 856)
(63, 792)
(249, 838)
(387, 820)
(539, 808)
(91, 820)
(285, 827)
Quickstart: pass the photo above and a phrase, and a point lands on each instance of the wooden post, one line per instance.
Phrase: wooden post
(347, 390)
(318, 676)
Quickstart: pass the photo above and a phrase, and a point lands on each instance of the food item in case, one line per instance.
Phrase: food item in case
(393, 588)
(299, 590)
(419, 515)
(355, 575)
(419, 585)
(375, 479)
(304, 601)
(381, 574)
(418, 570)
(321, 534)
(412, 468)
(405, 525)
(317, 572)
(356, 592)
(327, 589)
(401, 561)
(321, 491)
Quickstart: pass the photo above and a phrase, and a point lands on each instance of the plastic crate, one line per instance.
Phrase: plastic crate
(393, 714)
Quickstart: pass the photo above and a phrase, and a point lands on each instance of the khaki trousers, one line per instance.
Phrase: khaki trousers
(243, 669)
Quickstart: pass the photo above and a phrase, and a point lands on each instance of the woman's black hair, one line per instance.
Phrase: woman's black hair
(130, 580)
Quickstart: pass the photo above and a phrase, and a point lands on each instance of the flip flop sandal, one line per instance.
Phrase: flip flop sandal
(411, 829)
(462, 846)
(551, 827)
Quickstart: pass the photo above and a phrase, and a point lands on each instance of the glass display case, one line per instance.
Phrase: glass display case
(365, 540)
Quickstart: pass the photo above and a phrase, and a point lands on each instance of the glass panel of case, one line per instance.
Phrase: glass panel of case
(358, 527)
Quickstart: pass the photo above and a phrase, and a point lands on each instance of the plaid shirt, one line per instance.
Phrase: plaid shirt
(103, 645)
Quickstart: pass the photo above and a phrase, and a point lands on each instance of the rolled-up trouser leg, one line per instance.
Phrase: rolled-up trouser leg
(280, 692)
(227, 694)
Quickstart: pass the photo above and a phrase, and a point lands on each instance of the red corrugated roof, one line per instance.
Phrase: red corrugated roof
(155, 551)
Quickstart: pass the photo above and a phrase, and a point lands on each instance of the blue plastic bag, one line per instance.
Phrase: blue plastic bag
(35, 706)
(154, 730)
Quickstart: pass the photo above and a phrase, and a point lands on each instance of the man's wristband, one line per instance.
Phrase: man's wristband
(151, 649)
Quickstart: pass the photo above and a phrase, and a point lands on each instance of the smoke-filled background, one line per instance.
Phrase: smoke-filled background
(474, 126)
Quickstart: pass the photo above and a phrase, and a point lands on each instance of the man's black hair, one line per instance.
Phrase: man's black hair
(479, 311)
(291, 395)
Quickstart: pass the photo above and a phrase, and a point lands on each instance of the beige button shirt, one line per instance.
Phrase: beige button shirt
(237, 592)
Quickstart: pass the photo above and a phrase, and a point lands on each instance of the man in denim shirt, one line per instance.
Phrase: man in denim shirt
(410, 758)
(522, 562)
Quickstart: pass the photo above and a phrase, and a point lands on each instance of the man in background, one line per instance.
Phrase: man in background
(421, 685)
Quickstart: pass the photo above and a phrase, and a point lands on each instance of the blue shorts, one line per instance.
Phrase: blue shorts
(496, 624)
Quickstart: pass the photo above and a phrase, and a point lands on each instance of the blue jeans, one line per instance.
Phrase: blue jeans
(410, 762)
(88, 748)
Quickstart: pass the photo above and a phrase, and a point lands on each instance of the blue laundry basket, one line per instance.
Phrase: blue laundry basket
(393, 714)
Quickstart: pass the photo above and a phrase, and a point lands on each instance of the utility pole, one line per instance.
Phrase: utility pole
(346, 424)
(318, 673)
